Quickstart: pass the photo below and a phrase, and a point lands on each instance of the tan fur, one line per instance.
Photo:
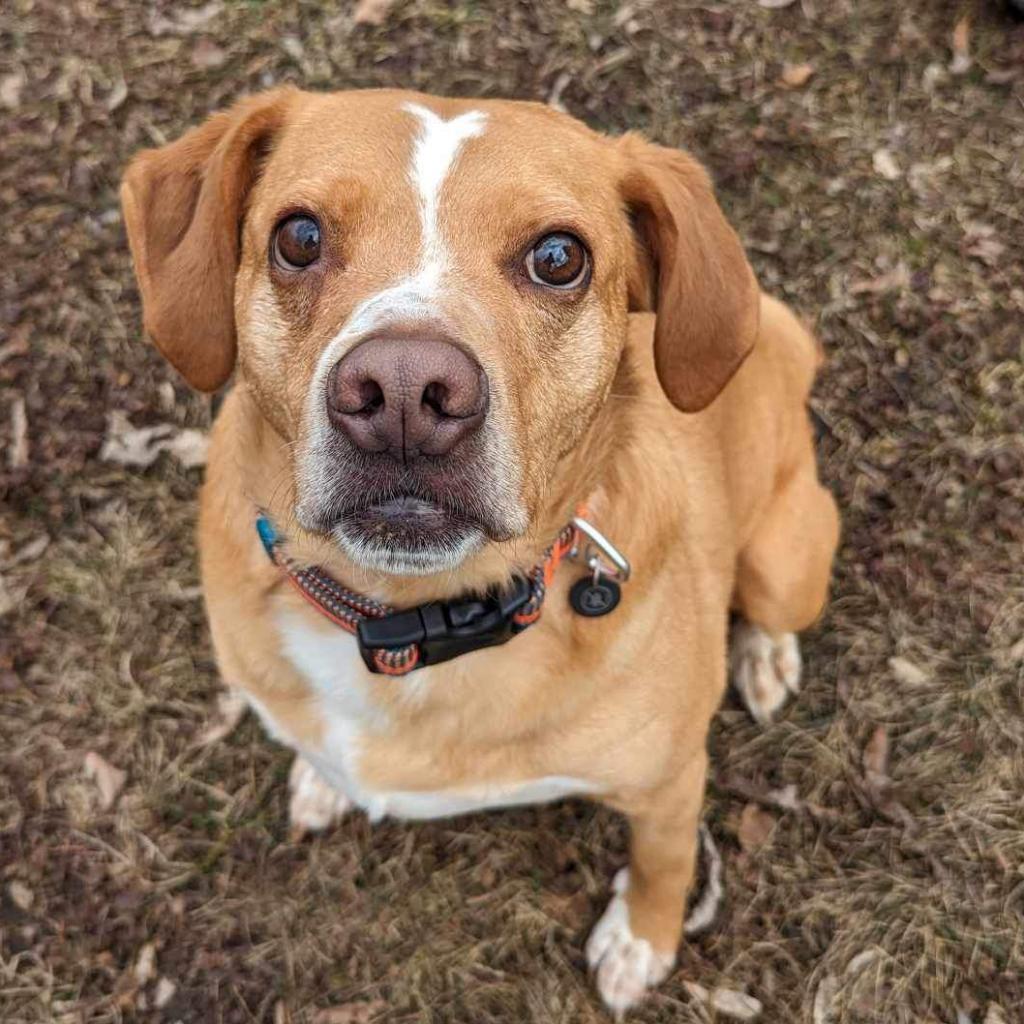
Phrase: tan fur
(718, 509)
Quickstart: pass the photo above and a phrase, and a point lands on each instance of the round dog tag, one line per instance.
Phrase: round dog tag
(592, 597)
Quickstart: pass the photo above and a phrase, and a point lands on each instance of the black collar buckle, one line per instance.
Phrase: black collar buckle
(445, 629)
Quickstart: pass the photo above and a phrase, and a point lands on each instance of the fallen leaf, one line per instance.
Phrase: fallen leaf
(189, 447)
(876, 757)
(348, 1013)
(117, 95)
(372, 12)
(737, 1005)
(11, 88)
(961, 46)
(825, 1000)
(165, 989)
(705, 910)
(185, 20)
(775, 5)
(755, 827)
(894, 280)
(141, 446)
(580, 6)
(109, 780)
(885, 164)
(206, 54)
(28, 552)
(21, 895)
(907, 673)
(795, 75)
(995, 1014)
(145, 963)
(17, 449)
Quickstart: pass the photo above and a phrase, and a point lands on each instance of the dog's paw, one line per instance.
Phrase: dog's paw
(765, 671)
(626, 966)
(314, 804)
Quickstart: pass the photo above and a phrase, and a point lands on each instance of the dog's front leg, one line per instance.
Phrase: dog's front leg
(633, 945)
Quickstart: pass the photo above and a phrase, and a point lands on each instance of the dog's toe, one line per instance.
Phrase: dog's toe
(765, 669)
(627, 966)
(314, 804)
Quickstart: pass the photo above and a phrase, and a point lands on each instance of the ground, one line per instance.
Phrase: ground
(873, 837)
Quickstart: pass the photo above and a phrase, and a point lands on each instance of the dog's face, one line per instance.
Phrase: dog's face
(428, 298)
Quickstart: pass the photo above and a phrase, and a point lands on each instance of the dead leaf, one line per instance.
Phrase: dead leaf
(145, 963)
(17, 449)
(141, 446)
(185, 20)
(165, 989)
(189, 447)
(21, 895)
(231, 707)
(995, 1014)
(824, 1010)
(206, 54)
(961, 46)
(28, 552)
(109, 780)
(894, 280)
(885, 164)
(737, 1005)
(755, 827)
(117, 95)
(130, 446)
(372, 12)
(795, 75)
(11, 88)
(775, 5)
(876, 758)
(907, 673)
(580, 6)
(726, 1001)
(349, 1013)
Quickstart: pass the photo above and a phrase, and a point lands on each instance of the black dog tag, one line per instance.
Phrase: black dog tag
(592, 597)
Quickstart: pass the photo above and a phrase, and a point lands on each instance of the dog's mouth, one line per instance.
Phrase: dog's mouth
(408, 535)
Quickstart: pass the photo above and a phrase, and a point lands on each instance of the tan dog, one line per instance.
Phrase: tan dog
(429, 302)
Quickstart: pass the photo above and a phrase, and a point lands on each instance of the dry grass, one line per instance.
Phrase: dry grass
(102, 644)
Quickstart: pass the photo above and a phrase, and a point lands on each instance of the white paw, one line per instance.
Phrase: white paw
(314, 804)
(626, 966)
(765, 671)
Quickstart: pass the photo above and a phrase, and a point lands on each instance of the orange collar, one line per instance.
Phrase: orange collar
(394, 642)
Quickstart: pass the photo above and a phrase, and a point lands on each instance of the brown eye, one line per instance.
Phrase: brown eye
(558, 261)
(297, 242)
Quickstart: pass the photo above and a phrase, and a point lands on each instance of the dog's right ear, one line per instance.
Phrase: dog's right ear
(183, 206)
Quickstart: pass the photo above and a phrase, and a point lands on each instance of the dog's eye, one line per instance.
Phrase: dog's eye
(297, 242)
(558, 261)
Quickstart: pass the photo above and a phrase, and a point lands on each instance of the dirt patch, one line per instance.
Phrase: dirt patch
(879, 192)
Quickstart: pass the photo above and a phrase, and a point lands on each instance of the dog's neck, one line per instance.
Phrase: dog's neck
(593, 472)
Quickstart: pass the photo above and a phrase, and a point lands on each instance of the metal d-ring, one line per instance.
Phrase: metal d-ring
(605, 547)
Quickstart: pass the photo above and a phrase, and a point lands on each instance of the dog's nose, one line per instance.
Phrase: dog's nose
(407, 398)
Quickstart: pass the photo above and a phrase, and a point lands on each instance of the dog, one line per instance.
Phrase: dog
(514, 433)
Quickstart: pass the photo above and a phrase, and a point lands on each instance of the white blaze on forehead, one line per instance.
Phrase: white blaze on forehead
(434, 155)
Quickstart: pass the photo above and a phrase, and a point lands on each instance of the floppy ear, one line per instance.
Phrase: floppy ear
(704, 290)
(183, 206)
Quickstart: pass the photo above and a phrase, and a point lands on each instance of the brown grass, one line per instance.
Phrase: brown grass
(102, 642)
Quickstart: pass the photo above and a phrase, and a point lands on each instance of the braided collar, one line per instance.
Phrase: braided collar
(395, 642)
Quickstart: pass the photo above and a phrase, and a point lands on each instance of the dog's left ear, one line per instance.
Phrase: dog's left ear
(183, 207)
(704, 291)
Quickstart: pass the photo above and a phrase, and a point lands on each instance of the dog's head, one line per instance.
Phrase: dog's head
(428, 298)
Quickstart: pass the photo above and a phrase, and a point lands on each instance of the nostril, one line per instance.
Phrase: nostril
(371, 395)
(435, 398)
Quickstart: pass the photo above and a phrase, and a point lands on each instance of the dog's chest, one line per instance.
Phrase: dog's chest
(353, 722)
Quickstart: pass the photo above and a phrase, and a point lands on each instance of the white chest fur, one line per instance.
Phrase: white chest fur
(328, 658)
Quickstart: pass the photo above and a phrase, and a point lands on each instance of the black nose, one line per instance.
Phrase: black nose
(407, 398)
